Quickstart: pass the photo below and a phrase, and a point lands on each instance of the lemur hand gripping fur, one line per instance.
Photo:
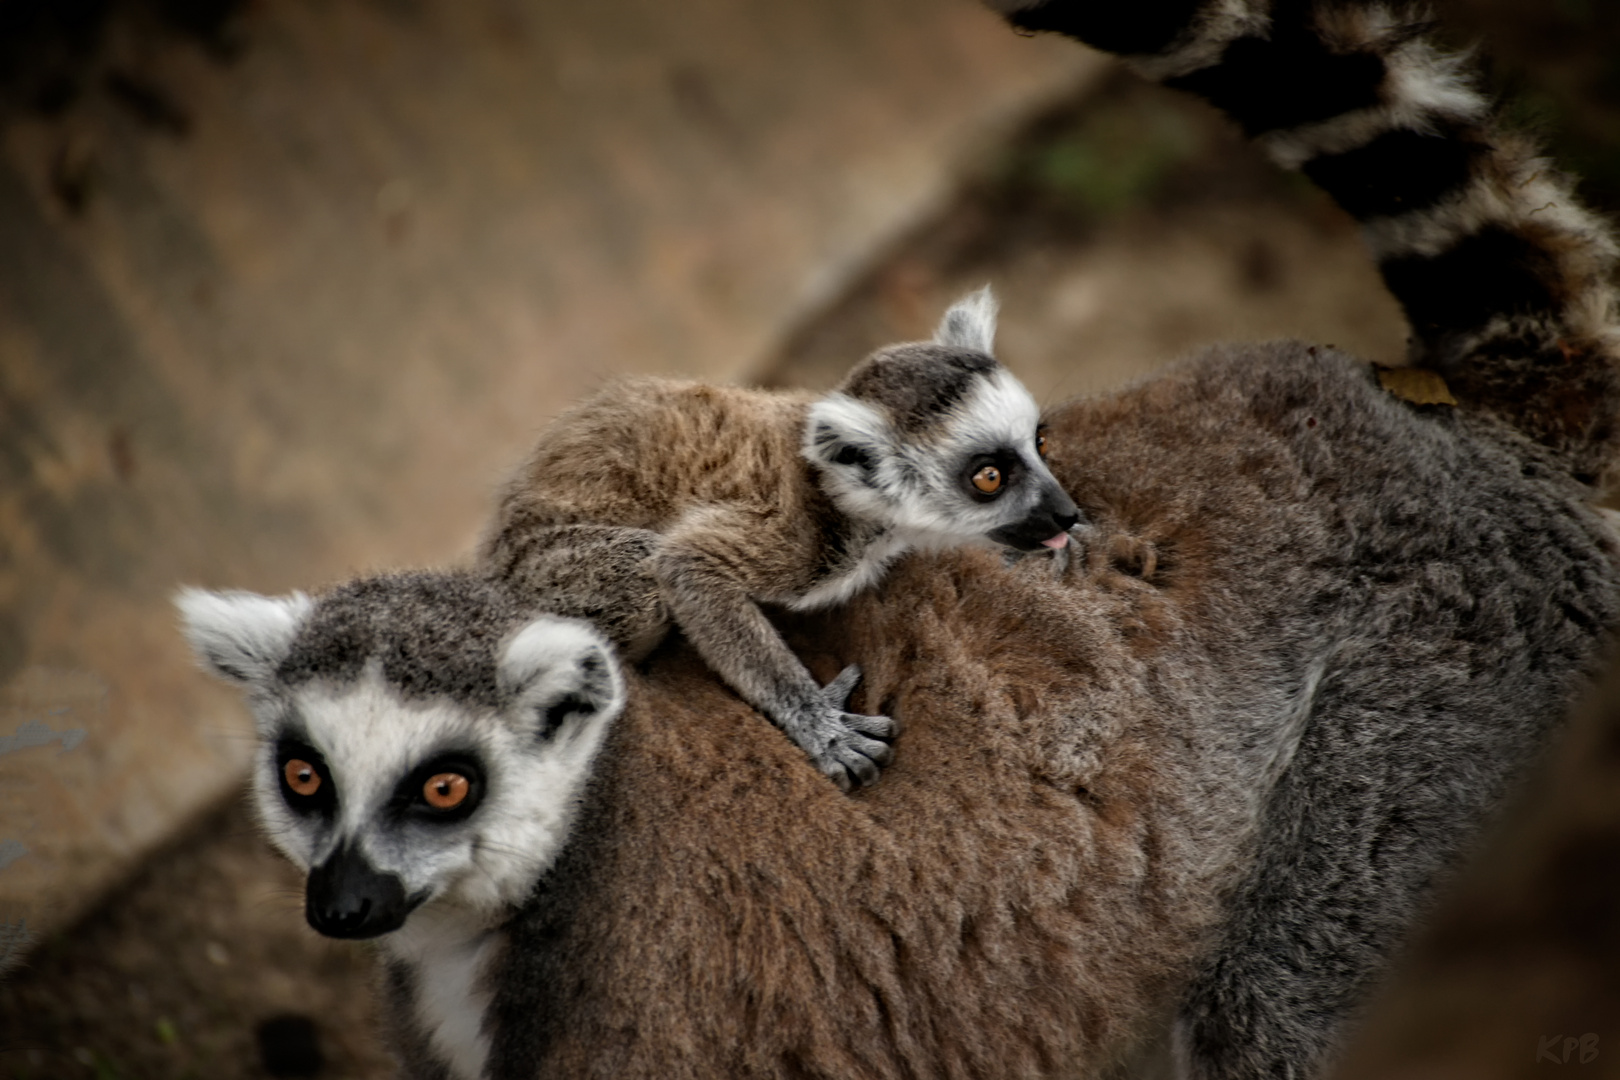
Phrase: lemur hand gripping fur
(659, 501)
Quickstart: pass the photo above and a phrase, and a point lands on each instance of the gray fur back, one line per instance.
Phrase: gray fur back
(1405, 601)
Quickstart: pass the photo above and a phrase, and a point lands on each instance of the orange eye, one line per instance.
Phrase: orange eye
(988, 479)
(446, 791)
(1040, 442)
(301, 777)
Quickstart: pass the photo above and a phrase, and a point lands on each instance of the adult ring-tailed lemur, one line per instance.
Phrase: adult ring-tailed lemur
(1221, 760)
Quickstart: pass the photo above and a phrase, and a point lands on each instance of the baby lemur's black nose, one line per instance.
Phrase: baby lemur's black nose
(1065, 515)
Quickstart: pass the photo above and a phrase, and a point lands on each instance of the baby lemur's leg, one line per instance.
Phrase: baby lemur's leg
(710, 568)
(599, 573)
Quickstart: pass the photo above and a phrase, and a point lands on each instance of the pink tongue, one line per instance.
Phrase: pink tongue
(1057, 541)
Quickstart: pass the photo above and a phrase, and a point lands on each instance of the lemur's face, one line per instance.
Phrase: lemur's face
(973, 466)
(391, 798)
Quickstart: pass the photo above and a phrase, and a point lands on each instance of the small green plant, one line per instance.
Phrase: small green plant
(1113, 154)
(1116, 159)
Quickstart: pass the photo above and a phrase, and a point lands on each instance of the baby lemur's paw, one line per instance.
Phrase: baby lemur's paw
(849, 748)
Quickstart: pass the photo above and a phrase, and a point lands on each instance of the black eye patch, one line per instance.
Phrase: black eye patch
(454, 775)
(305, 781)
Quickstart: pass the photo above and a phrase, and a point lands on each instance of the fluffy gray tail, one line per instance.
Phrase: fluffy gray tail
(1504, 277)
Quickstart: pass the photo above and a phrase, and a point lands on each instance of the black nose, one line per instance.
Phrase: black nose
(1064, 514)
(347, 897)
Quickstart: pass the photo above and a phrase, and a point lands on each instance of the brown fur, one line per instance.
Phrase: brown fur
(1009, 902)
(1087, 757)
(716, 468)
(643, 451)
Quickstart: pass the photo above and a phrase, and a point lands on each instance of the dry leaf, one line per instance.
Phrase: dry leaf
(1416, 385)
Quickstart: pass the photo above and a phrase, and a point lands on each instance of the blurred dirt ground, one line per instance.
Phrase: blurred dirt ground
(174, 978)
(1121, 231)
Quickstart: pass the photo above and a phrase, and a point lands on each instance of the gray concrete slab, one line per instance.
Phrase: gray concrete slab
(291, 317)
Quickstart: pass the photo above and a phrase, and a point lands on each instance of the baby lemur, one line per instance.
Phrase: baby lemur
(659, 501)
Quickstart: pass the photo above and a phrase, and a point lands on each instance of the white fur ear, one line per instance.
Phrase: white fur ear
(556, 668)
(838, 424)
(241, 636)
(970, 323)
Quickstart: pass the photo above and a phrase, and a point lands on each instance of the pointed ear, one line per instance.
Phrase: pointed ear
(556, 668)
(241, 636)
(970, 323)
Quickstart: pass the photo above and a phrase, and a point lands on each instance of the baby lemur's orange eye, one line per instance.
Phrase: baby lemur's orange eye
(988, 479)
(446, 791)
(1040, 441)
(301, 777)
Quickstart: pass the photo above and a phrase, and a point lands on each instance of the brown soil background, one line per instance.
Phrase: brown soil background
(1122, 230)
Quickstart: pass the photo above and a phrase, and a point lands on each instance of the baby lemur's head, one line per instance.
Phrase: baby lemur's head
(423, 737)
(939, 440)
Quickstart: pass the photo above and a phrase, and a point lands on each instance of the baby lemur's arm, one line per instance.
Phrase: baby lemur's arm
(710, 566)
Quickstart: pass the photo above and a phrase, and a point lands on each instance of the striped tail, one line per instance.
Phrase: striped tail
(1504, 276)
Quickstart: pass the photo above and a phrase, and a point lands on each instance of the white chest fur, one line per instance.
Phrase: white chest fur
(865, 572)
(448, 954)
